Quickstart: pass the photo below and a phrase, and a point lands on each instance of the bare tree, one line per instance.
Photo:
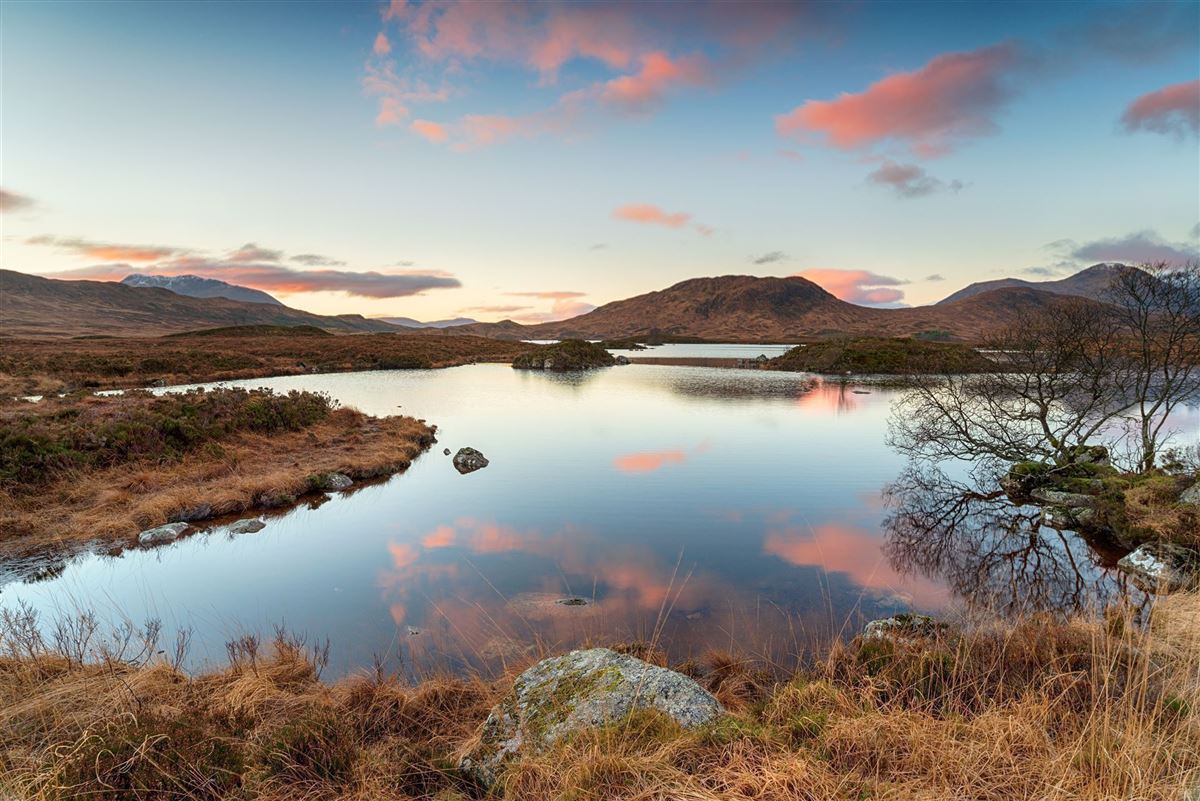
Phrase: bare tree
(1157, 309)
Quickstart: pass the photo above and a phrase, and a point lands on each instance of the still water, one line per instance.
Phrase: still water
(698, 507)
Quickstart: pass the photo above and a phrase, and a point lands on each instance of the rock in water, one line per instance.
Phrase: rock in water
(162, 533)
(1162, 566)
(468, 460)
(247, 526)
(904, 628)
(563, 694)
(334, 482)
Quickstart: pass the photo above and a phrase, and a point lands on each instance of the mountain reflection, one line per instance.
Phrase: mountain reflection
(989, 551)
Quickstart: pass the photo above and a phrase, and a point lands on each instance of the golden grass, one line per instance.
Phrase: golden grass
(236, 474)
(1036, 709)
(45, 366)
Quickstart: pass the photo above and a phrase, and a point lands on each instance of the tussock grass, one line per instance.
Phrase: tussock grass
(1033, 709)
(86, 468)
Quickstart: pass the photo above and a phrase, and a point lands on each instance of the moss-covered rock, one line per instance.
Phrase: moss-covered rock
(570, 354)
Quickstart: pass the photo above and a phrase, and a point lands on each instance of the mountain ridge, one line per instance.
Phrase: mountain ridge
(195, 286)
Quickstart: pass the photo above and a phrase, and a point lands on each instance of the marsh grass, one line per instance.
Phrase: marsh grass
(1039, 708)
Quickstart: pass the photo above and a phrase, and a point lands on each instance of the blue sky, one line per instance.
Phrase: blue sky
(530, 160)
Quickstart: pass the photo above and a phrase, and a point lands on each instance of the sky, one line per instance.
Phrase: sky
(532, 160)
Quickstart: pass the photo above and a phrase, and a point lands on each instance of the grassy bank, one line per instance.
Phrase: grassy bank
(881, 356)
(41, 366)
(1033, 709)
(86, 467)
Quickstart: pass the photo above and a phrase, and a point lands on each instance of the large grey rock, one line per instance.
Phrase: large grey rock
(1191, 494)
(563, 694)
(1162, 567)
(468, 460)
(162, 533)
(247, 526)
(1068, 517)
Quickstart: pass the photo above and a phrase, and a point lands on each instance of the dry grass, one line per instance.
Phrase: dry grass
(221, 472)
(44, 366)
(1038, 709)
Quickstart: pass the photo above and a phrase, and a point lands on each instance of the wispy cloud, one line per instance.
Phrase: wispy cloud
(649, 214)
(769, 258)
(909, 180)
(1172, 110)
(252, 252)
(316, 260)
(11, 201)
(935, 277)
(1139, 247)
(857, 286)
(107, 251)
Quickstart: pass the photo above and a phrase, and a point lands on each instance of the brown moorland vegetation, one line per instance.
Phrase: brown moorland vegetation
(104, 468)
(44, 366)
(1032, 709)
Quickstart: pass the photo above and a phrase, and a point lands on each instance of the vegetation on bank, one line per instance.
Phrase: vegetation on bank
(87, 467)
(1035, 708)
(882, 356)
(42, 367)
(570, 354)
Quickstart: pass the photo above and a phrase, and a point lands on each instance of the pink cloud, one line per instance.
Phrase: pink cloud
(382, 46)
(1173, 109)
(555, 294)
(563, 309)
(107, 251)
(648, 214)
(856, 286)
(11, 201)
(952, 98)
(433, 131)
(646, 88)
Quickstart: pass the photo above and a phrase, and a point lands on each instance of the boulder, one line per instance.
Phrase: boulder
(1191, 494)
(622, 360)
(468, 460)
(248, 526)
(1068, 517)
(564, 694)
(162, 533)
(1162, 567)
(908, 627)
(1074, 500)
(445, 451)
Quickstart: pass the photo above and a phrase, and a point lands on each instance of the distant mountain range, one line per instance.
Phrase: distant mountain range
(34, 306)
(195, 286)
(1090, 283)
(727, 308)
(749, 308)
(409, 322)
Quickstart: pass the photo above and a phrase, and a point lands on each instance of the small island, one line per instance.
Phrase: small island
(570, 354)
(882, 356)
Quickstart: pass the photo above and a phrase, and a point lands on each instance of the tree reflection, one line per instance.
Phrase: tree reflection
(989, 550)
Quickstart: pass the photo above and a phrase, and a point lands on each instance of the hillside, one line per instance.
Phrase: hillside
(1091, 283)
(409, 322)
(194, 286)
(34, 306)
(747, 308)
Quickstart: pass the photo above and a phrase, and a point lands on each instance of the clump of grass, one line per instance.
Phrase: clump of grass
(1097, 708)
(882, 356)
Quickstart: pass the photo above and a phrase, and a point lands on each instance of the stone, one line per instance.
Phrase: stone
(1068, 517)
(573, 601)
(908, 627)
(468, 460)
(248, 526)
(1059, 498)
(445, 451)
(622, 360)
(564, 694)
(200, 511)
(1162, 567)
(162, 533)
(333, 482)
(1191, 494)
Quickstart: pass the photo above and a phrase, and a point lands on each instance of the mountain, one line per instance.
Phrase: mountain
(34, 306)
(1092, 283)
(409, 322)
(749, 308)
(195, 286)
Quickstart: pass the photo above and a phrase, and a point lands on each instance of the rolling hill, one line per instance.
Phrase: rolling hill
(749, 308)
(1091, 283)
(34, 306)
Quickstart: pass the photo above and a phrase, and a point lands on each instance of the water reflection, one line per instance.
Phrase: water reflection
(990, 551)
